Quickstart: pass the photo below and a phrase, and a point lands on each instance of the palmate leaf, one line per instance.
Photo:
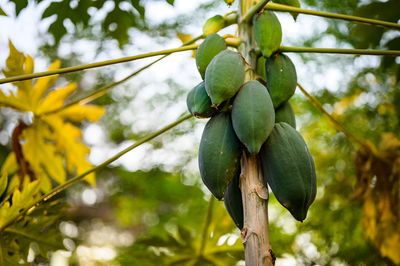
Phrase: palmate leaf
(50, 142)
(40, 228)
(20, 200)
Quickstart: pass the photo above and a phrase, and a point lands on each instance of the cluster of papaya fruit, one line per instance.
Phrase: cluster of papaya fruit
(252, 117)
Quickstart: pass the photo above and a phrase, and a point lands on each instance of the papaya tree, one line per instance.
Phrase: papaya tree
(249, 144)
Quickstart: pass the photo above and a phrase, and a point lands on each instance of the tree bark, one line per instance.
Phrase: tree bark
(255, 235)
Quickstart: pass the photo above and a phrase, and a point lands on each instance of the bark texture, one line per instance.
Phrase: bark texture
(255, 236)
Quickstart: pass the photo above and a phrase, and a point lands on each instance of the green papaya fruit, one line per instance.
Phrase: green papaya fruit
(213, 25)
(219, 154)
(209, 48)
(224, 76)
(233, 202)
(289, 169)
(268, 32)
(198, 102)
(281, 78)
(260, 67)
(285, 114)
(253, 115)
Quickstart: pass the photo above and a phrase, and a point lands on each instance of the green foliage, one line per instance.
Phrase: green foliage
(2, 13)
(38, 231)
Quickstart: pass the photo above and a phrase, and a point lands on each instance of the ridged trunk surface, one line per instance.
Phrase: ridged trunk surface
(255, 235)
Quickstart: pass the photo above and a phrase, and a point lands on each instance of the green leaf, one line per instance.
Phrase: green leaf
(2, 13)
(295, 3)
(20, 200)
(40, 228)
(171, 2)
(19, 5)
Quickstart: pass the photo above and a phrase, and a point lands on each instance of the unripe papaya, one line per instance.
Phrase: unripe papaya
(268, 32)
(260, 67)
(224, 76)
(233, 202)
(281, 78)
(253, 115)
(198, 102)
(219, 154)
(213, 25)
(289, 170)
(209, 48)
(285, 114)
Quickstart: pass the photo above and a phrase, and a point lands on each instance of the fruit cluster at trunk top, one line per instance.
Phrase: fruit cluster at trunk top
(251, 117)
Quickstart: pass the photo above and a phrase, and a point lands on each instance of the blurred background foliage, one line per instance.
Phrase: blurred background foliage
(151, 209)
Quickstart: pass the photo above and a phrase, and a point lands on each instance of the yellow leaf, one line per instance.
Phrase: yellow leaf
(12, 102)
(3, 182)
(368, 219)
(185, 38)
(44, 83)
(55, 99)
(78, 113)
(391, 246)
(29, 65)
(42, 155)
(20, 200)
(67, 137)
(10, 165)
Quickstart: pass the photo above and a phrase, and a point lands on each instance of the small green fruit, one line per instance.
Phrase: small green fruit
(209, 48)
(233, 202)
(260, 67)
(253, 115)
(268, 32)
(213, 25)
(224, 76)
(198, 102)
(285, 114)
(281, 78)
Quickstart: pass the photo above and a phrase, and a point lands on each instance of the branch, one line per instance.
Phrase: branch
(375, 22)
(77, 178)
(207, 222)
(94, 65)
(97, 94)
(254, 10)
(339, 51)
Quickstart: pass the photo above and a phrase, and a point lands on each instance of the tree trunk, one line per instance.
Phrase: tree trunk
(255, 236)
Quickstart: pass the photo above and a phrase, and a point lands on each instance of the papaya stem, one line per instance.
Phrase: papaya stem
(97, 64)
(338, 51)
(98, 93)
(254, 10)
(374, 22)
(206, 226)
(77, 178)
(255, 233)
